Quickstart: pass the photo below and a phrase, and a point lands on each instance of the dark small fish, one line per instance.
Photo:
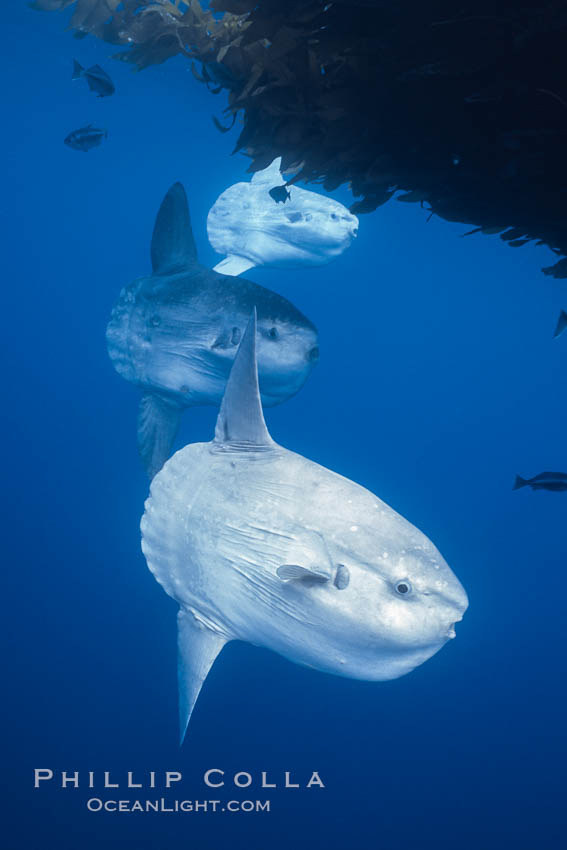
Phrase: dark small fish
(554, 481)
(561, 324)
(86, 138)
(280, 194)
(97, 79)
(221, 75)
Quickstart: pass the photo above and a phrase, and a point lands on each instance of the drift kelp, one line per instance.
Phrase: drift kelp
(457, 105)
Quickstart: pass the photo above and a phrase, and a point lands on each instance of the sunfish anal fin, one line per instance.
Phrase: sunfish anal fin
(173, 246)
(234, 265)
(197, 648)
(158, 421)
(241, 420)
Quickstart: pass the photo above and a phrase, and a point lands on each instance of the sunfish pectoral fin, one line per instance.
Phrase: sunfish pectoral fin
(197, 648)
(307, 557)
(241, 420)
(158, 421)
(295, 572)
(173, 246)
(234, 265)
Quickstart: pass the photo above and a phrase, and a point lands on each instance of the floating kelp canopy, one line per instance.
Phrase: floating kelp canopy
(463, 106)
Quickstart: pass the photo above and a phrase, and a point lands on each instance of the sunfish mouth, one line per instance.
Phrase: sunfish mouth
(451, 633)
(312, 355)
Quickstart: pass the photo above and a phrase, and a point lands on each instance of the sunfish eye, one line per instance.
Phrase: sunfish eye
(403, 587)
(294, 216)
(334, 216)
(273, 333)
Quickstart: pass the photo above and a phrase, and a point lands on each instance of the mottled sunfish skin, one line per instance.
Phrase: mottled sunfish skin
(175, 334)
(259, 544)
(262, 223)
(553, 481)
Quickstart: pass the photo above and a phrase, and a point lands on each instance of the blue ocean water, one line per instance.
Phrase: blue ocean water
(438, 382)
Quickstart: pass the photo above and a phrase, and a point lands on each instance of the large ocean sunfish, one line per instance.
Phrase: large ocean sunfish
(262, 224)
(259, 544)
(175, 334)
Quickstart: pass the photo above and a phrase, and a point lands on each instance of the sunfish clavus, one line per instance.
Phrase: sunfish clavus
(175, 334)
(262, 224)
(259, 544)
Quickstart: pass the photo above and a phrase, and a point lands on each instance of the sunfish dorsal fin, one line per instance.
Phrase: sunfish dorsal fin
(241, 419)
(271, 174)
(197, 649)
(173, 246)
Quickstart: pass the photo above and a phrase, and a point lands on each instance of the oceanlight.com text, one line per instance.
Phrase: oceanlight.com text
(95, 804)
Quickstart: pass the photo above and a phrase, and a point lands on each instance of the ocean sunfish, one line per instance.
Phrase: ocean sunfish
(175, 334)
(261, 224)
(259, 544)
